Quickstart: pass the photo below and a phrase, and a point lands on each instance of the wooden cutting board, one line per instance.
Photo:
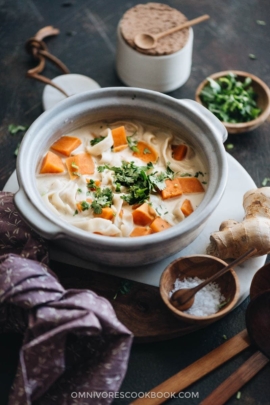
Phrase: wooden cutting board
(138, 306)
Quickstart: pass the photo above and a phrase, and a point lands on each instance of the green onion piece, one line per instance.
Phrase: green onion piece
(238, 395)
(145, 151)
(13, 129)
(17, 149)
(265, 181)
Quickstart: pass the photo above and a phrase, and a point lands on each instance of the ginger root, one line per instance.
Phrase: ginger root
(235, 238)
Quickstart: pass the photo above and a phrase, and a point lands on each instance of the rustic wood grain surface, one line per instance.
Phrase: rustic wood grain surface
(87, 44)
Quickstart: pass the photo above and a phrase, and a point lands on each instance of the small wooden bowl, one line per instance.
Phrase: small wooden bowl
(263, 100)
(201, 266)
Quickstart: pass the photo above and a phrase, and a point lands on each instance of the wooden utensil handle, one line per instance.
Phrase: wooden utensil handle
(220, 273)
(236, 380)
(196, 370)
(185, 25)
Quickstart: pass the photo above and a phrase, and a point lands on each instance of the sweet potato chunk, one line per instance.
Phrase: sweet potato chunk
(119, 139)
(187, 208)
(140, 231)
(107, 213)
(80, 164)
(159, 225)
(66, 144)
(190, 185)
(173, 189)
(181, 185)
(179, 151)
(146, 152)
(119, 148)
(52, 164)
(143, 215)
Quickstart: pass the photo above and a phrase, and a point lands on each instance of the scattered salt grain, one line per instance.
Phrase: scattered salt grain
(207, 300)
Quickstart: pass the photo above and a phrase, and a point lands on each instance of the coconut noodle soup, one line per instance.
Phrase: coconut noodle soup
(122, 179)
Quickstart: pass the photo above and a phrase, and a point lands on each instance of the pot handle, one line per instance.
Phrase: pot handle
(35, 220)
(204, 113)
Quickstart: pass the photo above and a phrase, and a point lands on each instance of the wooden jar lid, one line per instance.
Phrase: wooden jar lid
(154, 18)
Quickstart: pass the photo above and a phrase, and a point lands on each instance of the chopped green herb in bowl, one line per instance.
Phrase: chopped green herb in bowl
(239, 99)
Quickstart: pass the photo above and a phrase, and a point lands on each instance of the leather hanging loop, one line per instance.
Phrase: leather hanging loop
(36, 47)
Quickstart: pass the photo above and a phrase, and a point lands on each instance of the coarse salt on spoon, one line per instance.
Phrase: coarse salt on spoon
(183, 299)
(149, 41)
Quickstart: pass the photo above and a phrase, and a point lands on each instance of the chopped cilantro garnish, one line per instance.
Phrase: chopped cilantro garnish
(96, 140)
(96, 207)
(230, 99)
(85, 205)
(79, 190)
(197, 174)
(102, 168)
(76, 212)
(103, 198)
(125, 287)
(117, 187)
(137, 180)
(158, 180)
(170, 173)
(91, 185)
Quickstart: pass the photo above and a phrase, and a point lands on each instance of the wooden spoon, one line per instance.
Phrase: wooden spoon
(149, 41)
(183, 299)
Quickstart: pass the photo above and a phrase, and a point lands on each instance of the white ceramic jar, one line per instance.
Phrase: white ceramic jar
(160, 73)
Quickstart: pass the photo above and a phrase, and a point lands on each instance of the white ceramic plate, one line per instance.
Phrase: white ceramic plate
(71, 83)
(230, 207)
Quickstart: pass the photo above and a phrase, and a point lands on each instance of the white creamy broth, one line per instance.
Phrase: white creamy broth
(92, 185)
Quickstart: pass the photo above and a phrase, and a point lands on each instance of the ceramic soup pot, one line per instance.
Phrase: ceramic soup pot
(197, 126)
